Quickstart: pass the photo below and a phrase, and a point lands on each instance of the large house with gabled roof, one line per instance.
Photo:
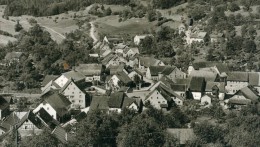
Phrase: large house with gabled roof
(197, 87)
(92, 72)
(76, 95)
(172, 72)
(56, 104)
(65, 77)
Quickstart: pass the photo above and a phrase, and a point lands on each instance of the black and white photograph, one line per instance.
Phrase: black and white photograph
(129, 73)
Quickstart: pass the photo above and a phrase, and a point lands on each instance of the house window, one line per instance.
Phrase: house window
(47, 108)
(79, 96)
(159, 102)
(72, 92)
(72, 101)
(79, 101)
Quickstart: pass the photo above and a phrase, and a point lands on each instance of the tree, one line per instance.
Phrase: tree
(151, 15)
(43, 139)
(233, 7)
(108, 11)
(142, 131)
(18, 27)
(98, 129)
(137, 81)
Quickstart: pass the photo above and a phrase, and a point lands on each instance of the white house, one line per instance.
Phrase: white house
(195, 37)
(139, 38)
(65, 77)
(206, 100)
(75, 95)
(92, 72)
(115, 81)
(145, 62)
(130, 52)
(56, 104)
(197, 87)
(156, 99)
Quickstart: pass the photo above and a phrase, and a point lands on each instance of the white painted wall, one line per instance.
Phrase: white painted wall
(61, 81)
(48, 108)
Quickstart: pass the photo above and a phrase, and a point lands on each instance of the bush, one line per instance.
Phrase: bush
(233, 7)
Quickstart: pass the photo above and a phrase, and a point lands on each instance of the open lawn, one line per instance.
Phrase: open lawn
(110, 25)
(242, 12)
(5, 39)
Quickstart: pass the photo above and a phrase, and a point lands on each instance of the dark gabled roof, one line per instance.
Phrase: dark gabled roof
(222, 67)
(49, 78)
(123, 77)
(149, 61)
(116, 100)
(99, 102)
(3, 103)
(47, 119)
(61, 134)
(209, 75)
(179, 87)
(31, 117)
(183, 135)
(239, 101)
(108, 58)
(183, 81)
(116, 69)
(238, 76)
(89, 69)
(167, 81)
(68, 83)
(197, 84)
(128, 101)
(249, 92)
(76, 76)
(59, 103)
(168, 92)
(81, 116)
(253, 78)
(165, 70)
(9, 121)
(220, 86)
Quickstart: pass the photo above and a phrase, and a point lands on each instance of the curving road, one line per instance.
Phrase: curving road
(92, 32)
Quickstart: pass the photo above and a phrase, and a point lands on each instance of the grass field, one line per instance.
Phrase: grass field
(111, 25)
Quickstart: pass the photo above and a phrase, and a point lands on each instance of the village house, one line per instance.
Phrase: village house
(217, 37)
(172, 72)
(197, 87)
(130, 52)
(70, 75)
(56, 104)
(195, 36)
(48, 83)
(209, 74)
(113, 40)
(157, 100)
(92, 72)
(113, 60)
(134, 73)
(61, 134)
(182, 28)
(239, 80)
(76, 95)
(216, 89)
(119, 100)
(114, 82)
(206, 100)
(4, 108)
(139, 38)
(145, 62)
(99, 102)
(180, 89)
(133, 61)
(243, 97)
(8, 122)
(114, 69)
(105, 53)
(29, 124)
(120, 48)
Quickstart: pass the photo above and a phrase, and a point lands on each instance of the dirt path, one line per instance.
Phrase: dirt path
(92, 32)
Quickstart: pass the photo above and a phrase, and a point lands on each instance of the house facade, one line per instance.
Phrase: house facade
(156, 99)
(75, 95)
(236, 81)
